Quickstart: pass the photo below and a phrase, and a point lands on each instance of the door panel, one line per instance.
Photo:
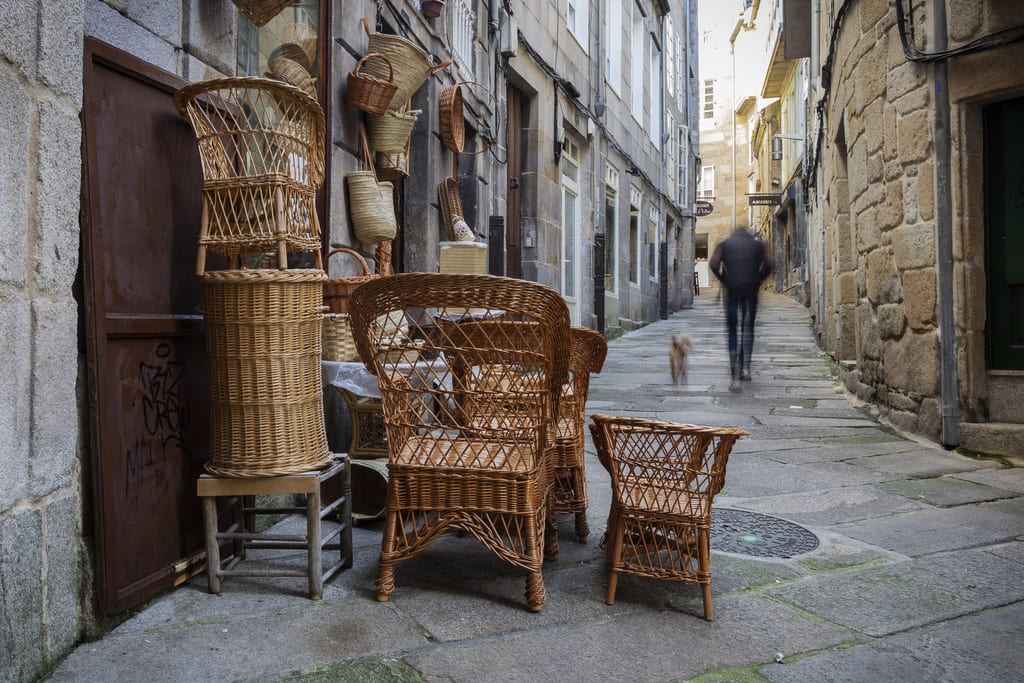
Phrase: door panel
(146, 361)
(513, 253)
(1004, 233)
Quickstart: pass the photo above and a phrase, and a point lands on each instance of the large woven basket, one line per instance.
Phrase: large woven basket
(338, 289)
(390, 131)
(263, 346)
(371, 93)
(412, 65)
(371, 203)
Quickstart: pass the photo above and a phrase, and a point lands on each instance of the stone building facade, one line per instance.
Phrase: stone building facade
(623, 162)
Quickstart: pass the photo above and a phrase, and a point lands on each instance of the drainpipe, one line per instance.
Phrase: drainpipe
(819, 172)
(944, 228)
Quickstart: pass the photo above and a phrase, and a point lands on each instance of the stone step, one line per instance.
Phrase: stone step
(997, 438)
(1006, 396)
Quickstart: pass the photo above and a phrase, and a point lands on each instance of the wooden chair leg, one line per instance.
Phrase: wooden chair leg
(582, 526)
(204, 231)
(551, 547)
(212, 545)
(315, 566)
(613, 560)
(386, 570)
(281, 229)
(704, 563)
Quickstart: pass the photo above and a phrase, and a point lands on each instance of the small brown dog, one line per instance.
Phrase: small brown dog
(677, 356)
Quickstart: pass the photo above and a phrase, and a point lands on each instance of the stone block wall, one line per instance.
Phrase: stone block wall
(881, 221)
(41, 563)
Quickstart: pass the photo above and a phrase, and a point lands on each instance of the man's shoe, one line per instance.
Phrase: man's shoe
(745, 375)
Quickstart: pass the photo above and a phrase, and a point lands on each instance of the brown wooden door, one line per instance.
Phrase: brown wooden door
(148, 415)
(513, 250)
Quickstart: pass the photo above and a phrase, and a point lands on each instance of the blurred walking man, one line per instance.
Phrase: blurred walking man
(741, 263)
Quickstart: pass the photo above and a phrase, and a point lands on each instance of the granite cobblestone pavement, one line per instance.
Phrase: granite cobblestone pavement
(916, 574)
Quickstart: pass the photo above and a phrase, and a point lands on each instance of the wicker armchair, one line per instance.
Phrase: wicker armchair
(664, 477)
(468, 422)
(261, 142)
(587, 352)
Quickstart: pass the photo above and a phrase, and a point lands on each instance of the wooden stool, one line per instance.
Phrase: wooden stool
(209, 487)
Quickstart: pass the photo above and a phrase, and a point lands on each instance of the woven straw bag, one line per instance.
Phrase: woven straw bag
(338, 289)
(412, 66)
(390, 132)
(370, 202)
(371, 93)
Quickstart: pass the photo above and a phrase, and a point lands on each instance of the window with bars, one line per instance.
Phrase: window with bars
(462, 30)
(709, 99)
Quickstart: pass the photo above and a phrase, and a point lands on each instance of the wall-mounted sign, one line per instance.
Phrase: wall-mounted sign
(703, 208)
(765, 199)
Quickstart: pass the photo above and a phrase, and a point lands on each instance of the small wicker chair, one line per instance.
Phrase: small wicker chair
(664, 477)
(468, 423)
(261, 142)
(586, 357)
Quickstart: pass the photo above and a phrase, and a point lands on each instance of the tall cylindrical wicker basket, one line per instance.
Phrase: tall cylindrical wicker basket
(266, 395)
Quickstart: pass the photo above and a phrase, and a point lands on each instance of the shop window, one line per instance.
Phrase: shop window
(285, 48)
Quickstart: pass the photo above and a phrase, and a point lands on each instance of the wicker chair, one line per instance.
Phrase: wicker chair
(261, 142)
(664, 477)
(587, 352)
(468, 423)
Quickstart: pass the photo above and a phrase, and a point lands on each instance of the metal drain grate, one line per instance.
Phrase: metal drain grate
(758, 535)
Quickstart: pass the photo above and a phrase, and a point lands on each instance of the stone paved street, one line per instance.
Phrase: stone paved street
(916, 574)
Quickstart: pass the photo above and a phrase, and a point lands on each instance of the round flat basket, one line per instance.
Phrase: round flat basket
(452, 122)
(290, 71)
(263, 347)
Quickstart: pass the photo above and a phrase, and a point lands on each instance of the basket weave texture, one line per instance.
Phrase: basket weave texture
(451, 206)
(371, 203)
(412, 65)
(587, 351)
(664, 477)
(293, 72)
(338, 289)
(452, 121)
(486, 471)
(371, 92)
(390, 131)
(263, 345)
(261, 142)
(338, 344)
(304, 36)
(463, 257)
(261, 11)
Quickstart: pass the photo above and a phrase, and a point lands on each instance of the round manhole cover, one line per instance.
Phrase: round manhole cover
(758, 535)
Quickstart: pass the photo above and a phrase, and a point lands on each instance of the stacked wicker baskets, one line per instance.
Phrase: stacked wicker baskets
(261, 142)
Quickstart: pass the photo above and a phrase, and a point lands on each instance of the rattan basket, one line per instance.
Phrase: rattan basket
(338, 344)
(291, 71)
(371, 203)
(390, 131)
(463, 257)
(305, 37)
(451, 205)
(371, 92)
(412, 65)
(261, 11)
(452, 122)
(263, 346)
(338, 289)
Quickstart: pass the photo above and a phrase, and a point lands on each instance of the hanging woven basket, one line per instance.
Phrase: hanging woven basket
(370, 202)
(452, 119)
(412, 66)
(260, 12)
(371, 93)
(390, 131)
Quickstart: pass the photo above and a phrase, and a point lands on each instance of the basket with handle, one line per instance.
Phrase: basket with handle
(451, 206)
(338, 289)
(390, 131)
(368, 91)
(370, 202)
(412, 66)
